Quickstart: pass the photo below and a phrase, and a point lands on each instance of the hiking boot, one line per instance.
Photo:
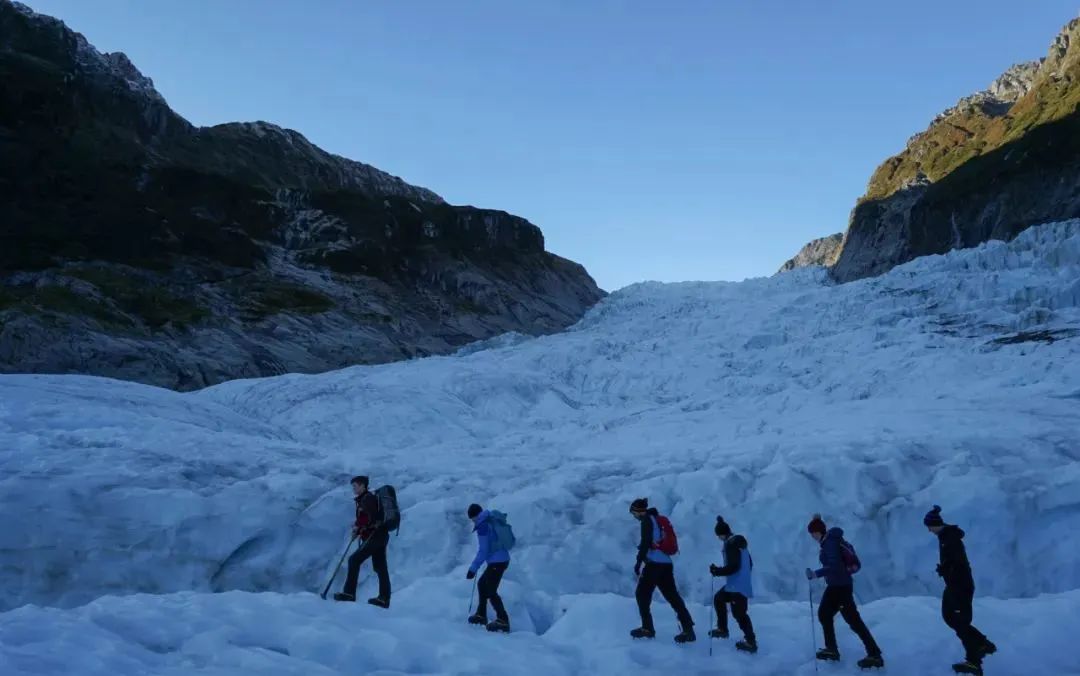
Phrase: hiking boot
(828, 655)
(988, 648)
(342, 596)
(687, 636)
(747, 646)
(718, 633)
(502, 626)
(642, 632)
(968, 667)
(871, 662)
(379, 602)
(478, 619)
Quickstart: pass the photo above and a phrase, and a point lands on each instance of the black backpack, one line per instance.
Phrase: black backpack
(388, 507)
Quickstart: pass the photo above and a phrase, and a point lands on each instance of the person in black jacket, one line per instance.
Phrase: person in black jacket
(658, 573)
(954, 568)
(374, 536)
(737, 589)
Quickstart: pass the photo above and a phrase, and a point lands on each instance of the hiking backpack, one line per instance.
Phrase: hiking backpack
(668, 542)
(502, 535)
(388, 507)
(852, 564)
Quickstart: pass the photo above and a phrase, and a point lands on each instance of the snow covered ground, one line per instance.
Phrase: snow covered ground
(764, 401)
(302, 635)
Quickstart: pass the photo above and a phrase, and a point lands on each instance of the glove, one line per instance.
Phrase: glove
(355, 530)
(714, 570)
(810, 574)
(940, 570)
(637, 569)
(470, 575)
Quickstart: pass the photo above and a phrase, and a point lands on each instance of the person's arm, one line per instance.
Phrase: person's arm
(732, 560)
(483, 543)
(369, 504)
(952, 553)
(832, 559)
(646, 539)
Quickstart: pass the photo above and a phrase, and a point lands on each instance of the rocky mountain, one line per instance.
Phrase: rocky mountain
(136, 245)
(819, 252)
(994, 164)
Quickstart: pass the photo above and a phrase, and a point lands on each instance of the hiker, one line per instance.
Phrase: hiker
(657, 545)
(955, 569)
(493, 552)
(737, 589)
(374, 537)
(838, 562)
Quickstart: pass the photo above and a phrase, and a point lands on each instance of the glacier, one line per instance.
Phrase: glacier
(149, 531)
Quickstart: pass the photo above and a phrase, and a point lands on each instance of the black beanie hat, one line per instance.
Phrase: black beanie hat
(722, 528)
(474, 510)
(361, 479)
(639, 505)
(933, 517)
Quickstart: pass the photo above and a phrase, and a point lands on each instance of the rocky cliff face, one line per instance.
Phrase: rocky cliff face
(819, 252)
(135, 245)
(996, 163)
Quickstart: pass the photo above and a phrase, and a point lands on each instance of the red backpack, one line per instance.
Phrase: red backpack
(850, 558)
(669, 542)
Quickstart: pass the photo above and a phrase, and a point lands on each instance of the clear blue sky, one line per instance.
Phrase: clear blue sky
(675, 140)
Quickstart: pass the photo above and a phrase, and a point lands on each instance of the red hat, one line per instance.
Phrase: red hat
(816, 525)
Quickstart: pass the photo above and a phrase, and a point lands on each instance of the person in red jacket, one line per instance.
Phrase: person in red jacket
(374, 537)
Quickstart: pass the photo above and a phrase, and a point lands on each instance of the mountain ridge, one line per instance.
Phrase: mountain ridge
(141, 247)
(993, 164)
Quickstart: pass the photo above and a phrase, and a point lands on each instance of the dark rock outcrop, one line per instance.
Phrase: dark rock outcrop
(819, 252)
(136, 245)
(995, 164)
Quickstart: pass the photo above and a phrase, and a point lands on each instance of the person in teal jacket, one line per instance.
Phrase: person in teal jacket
(497, 560)
(738, 588)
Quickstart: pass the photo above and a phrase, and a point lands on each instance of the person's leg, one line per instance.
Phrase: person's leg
(720, 601)
(378, 563)
(644, 593)
(850, 612)
(957, 612)
(666, 584)
(353, 576)
(827, 610)
(493, 591)
(740, 610)
(483, 591)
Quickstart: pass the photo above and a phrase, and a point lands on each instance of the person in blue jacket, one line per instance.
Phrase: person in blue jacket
(839, 596)
(737, 589)
(497, 560)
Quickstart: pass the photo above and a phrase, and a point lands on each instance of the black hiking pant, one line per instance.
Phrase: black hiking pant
(841, 599)
(373, 548)
(956, 611)
(739, 605)
(660, 576)
(488, 588)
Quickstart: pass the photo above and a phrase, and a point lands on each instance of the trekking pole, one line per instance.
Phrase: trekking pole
(712, 616)
(336, 570)
(471, 595)
(813, 631)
